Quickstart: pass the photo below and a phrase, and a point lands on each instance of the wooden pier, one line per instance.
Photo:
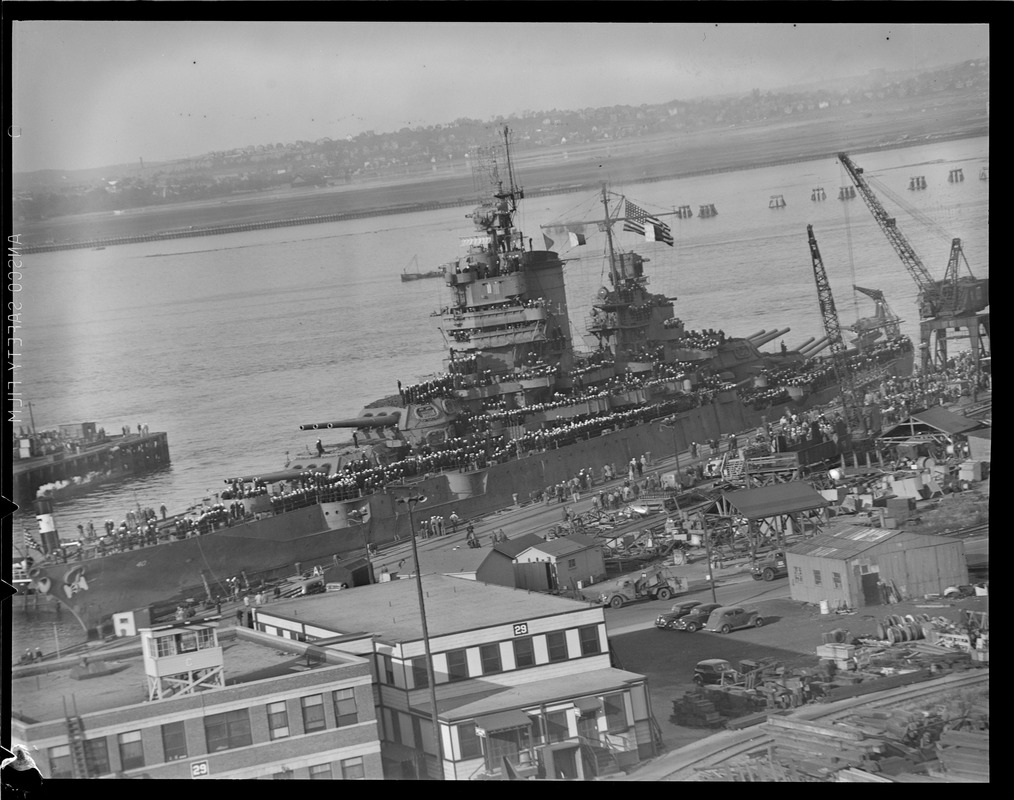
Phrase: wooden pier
(114, 458)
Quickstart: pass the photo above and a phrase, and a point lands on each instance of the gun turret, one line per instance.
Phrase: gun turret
(378, 421)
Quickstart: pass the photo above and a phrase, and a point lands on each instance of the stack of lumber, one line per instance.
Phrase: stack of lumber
(696, 711)
(965, 755)
(817, 747)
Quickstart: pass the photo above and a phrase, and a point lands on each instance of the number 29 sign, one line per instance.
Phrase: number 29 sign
(199, 769)
(520, 628)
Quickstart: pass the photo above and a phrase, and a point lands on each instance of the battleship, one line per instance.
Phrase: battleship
(518, 408)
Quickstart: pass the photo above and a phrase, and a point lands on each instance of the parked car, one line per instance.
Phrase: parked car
(728, 618)
(711, 670)
(696, 619)
(770, 566)
(666, 620)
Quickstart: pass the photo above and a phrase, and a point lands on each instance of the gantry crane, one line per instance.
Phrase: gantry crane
(832, 328)
(954, 302)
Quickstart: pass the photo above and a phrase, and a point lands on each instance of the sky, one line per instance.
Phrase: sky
(89, 94)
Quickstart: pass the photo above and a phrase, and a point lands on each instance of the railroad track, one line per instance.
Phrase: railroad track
(966, 533)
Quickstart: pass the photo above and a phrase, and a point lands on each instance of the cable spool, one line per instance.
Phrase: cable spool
(881, 633)
(892, 635)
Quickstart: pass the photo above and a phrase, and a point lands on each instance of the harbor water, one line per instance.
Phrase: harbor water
(229, 343)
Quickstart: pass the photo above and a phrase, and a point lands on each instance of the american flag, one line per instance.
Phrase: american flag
(641, 222)
(32, 544)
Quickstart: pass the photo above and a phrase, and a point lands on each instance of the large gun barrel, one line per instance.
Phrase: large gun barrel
(825, 342)
(767, 337)
(379, 421)
(804, 345)
(753, 336)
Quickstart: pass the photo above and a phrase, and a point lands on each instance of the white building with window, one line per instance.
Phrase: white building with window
(189, 704)
(521, 679)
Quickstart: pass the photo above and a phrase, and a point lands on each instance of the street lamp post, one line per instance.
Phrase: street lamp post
(412, 501)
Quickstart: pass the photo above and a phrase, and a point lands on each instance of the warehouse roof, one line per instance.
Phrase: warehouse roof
(846, 542)
(391, 609)
(565, 546)
(769, 501)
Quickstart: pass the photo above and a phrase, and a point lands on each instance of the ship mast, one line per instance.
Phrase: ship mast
(609, 239)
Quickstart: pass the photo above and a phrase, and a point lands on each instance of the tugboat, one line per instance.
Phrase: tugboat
(517, 408)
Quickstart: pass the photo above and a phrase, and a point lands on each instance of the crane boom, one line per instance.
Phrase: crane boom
(889, 226)
(837, 342)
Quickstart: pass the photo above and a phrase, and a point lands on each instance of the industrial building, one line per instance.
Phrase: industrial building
(852, 566)
(192, 705)
(523, 681)
(564, 563)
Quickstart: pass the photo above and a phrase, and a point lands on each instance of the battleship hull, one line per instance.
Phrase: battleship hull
(94, 589)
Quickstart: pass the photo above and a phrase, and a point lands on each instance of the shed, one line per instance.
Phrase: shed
(857, 566)
(767, 511)
(498, 565)
(560, 563)
(937, 426)
(979, 444)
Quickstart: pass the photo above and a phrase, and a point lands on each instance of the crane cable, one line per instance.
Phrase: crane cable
(848, 239)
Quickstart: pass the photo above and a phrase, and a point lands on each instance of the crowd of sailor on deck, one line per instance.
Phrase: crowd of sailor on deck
(895, 397)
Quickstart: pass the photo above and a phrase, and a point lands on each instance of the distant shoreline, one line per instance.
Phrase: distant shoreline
(639, 161)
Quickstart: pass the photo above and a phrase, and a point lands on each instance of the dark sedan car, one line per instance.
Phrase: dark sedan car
(696, 619)
(667, 620)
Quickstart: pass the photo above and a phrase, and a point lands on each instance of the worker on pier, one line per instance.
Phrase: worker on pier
(320, 448)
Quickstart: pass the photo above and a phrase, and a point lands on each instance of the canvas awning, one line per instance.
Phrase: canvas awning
(501, 721)
(588, 705)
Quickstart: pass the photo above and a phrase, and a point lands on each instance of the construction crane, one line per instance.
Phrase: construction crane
(953, 302)
(839, 360)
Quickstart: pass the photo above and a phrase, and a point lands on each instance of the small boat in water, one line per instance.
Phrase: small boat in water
(416, 275)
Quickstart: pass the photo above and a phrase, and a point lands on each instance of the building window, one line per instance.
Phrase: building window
(321, 772)
(278, 720)
(616, 713)
(589, 636)
(797, 574)
(490, 656)
(353, 769)
(524, 652)
(345, 711)
(313, 713)
(228, 730)
(557, 729)
(420, 676)
(457, 665)
(284, 775)
(471, 747)
(571, 563)
(387, 666)
(131, 751)
(60, 765)
(97, 756)
(816, 577)
(396, 727)
(417, 733)
(174, 741)
(836, 579)
(557, 644)
(165, 646)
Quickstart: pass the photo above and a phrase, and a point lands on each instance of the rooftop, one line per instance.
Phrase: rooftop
(782, 498)
(42, 697)
(849, 541)
(391, 609)
(566, 545)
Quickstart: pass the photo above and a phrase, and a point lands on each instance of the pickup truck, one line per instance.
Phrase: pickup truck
(654, 583)
(770, 566)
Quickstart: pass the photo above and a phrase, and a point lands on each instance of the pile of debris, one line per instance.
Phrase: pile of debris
(695, 710)
(948, 742)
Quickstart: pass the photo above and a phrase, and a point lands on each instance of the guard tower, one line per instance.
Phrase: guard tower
(182, 658)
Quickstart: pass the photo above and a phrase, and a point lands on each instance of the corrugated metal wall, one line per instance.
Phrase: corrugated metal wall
(808, 591)
(917, 571)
